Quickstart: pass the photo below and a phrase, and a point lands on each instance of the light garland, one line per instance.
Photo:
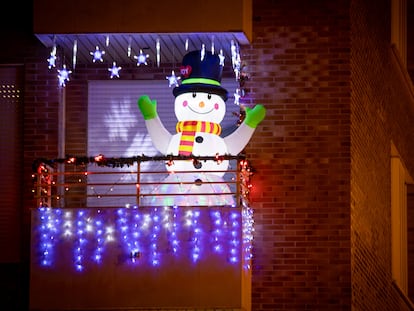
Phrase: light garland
(142, 59)
(174, 229)
(101, 160)
(197, 232)
(234, 241)
(148, 236)
(80, 242)
(100, 238)
(154, 237)
(44, 183)
(217, 231)
(48, 234)
(248, 229)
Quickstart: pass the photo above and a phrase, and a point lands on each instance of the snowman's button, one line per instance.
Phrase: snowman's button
(197, 164)
(199, 139)
(198, 182)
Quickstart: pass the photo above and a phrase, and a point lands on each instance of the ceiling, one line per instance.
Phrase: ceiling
(172, 47)
(123, 29)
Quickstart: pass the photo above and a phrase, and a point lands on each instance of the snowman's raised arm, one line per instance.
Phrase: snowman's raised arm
(237, 140)
(160, 136)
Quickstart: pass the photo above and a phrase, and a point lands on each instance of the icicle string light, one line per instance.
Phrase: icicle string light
(234, 241)
(48, 232)
(142, 59)
(146, 236)
(158, 49)
(100, 238)
(75, 54)
(174, 229)
(81, 240)
(217, 231)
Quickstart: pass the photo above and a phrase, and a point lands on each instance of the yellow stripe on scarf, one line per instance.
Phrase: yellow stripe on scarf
(188, 130)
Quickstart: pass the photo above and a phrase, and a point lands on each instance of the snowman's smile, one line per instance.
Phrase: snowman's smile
(200, 112)
(202, 105)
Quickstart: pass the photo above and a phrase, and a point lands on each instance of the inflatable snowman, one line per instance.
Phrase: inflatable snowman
(199, 107)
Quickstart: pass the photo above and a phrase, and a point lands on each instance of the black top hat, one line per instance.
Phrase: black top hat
(201, 75)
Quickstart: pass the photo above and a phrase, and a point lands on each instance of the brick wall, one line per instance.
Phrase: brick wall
(299, 62)
(382, 111)
(321, 157)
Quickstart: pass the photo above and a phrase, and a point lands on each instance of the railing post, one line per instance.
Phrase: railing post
(238, 172)
(138, 186)
(44, 184)
(39, 188)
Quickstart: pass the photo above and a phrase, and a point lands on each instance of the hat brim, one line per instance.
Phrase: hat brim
(198, 87)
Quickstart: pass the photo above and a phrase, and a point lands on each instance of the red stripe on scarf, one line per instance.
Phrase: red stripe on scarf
(189, 128)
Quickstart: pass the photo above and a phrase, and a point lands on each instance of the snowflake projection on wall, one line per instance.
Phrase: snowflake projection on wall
(119, 120)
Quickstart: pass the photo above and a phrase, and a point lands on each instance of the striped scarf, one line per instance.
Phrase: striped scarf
(188, 130)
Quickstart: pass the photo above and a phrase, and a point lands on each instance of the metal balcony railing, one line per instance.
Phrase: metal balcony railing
(79, 182)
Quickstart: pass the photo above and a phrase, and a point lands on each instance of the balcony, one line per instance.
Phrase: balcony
(125, 222)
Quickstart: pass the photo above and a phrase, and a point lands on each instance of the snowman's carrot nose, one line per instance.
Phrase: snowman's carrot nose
(201, 104)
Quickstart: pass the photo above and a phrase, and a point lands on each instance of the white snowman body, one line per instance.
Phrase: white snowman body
(189, 184)
(199, 107)
(204, 107)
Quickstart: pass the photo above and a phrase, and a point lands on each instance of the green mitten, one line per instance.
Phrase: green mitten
(148, 107)
(254, 116)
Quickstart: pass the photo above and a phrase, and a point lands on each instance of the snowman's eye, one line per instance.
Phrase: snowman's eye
(209, 96)
(194, 94)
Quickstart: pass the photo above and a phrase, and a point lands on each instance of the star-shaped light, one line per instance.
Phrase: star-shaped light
(173, 79)
(141, 58)
(114, 70)
(203, 51)
(97, 54)
(52, 59)
(63, 75)
(237, 97)
(235, 59)
(221, 57)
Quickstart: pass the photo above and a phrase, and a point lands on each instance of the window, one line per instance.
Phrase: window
(399, 28)
(400, 181)
(117, 129)
(410, 240)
